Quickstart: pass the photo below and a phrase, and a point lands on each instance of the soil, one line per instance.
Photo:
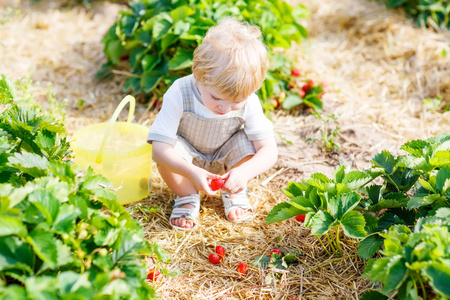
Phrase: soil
(379, 67)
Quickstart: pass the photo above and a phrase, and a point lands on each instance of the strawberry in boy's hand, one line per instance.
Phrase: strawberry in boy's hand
(216, 184)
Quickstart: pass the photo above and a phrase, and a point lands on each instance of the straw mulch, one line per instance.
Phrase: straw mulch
(378, 66)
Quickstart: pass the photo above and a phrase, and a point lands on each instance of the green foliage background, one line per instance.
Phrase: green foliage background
(424, 10)
(63, 235)
(156, 39)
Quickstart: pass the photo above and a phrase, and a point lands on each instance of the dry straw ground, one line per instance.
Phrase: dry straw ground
(379, 67)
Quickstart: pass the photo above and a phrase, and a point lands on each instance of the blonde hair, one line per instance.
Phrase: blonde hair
(232, 59)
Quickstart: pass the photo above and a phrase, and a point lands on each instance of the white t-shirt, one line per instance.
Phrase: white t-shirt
(165, 127)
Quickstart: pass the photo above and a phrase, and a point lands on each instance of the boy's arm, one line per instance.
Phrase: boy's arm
(265, 157)
(164, 155)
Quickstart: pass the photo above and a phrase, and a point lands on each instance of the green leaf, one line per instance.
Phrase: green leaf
(376, 269)
(294, 189)
(44, 246)
(65, 221)
(168, 40)
(161, 26)
(283, 211)
(321, 222)
(14, 254)
(291, 101)
(373, 295)
(374, 193)
(416, 148)
(313, 102)
(30, 163)
(318, 180)
(353, 225)
(369, 246)
(342, 204)
(46, 203)
(114, 50)
(443, 180)
(149, 62)
(356, 179)
(440, 159)
(384, 160)
(339, 173)
(396, 274)
(416, 201)
(261, 262)
(12, 225)
(181, 13)
(160, 253)
(128, 247)
(150, 80)
(426, 185)
(439, 275)
(181, 60)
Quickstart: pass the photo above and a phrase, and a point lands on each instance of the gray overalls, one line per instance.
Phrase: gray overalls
(212, 144)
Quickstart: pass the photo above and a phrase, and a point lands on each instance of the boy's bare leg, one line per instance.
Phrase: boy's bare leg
(181, 186)
(239, 213)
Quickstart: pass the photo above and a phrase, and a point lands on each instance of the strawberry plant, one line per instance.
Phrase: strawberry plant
(328, 134)
(414, 258)
(412, 192)
(434, 13)
(154, 41)
(62, 232)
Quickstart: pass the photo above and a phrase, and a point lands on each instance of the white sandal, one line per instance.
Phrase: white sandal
(189, 213)
(235, 201)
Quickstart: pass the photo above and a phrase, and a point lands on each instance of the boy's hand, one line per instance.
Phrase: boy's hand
(201, 179)
(236, 180)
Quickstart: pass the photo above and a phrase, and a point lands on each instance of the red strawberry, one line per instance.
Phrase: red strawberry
(311, 83)
(214, 258)
(153, 274)
(306, 88)
(216, 184)
(301, 93)
(242, 268)
(276, 251)
(221, 251)
(295, 72)
(300, 218)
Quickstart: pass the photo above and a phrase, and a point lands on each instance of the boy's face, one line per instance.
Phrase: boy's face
(216, 102)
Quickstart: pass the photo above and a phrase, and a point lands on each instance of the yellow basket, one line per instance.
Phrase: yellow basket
(119, 151)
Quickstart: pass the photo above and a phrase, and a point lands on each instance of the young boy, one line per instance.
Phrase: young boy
(211, 125)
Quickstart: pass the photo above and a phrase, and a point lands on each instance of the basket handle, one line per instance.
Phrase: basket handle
(128, 99)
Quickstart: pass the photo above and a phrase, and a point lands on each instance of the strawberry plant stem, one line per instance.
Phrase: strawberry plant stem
(424, 296)
(323, 246)
(330, 241)
(338, 242)
(329, 262)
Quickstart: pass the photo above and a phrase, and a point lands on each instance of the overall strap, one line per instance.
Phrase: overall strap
(187, 93)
